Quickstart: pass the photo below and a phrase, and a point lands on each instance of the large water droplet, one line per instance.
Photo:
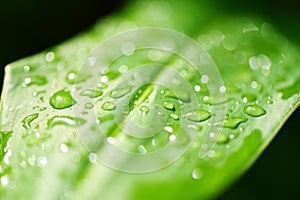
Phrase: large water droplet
(198, 115)
(34, 80)
(91, 93)
(168, 105)
(65, 120)
(254, 110)
(120, 92)
(108, 106)
(27, 120)
(62, 99)
(232, 122)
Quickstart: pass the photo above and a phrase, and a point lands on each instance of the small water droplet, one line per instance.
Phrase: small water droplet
(65, 120)
(254, 110)
(197, 174)
(172, 138)
(174, 116)
(108, 105)
(249, 28)
(232, 122)
(204, 79)
(62, 99)
(120, 92)
(27, 120)
(50, 56)
(91, 93)
(197, 88)
(248, 98)
(144, 109)
(88, 106)
(42, 161)
(34, 80)
(198, 115)
(93, 157)
(64, 148)
(4, 181)
(223, 138)
(102, 85)
(169, 129)
(123, 69)
(168, 105)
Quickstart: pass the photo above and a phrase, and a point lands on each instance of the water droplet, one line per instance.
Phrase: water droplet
(198, 115)
(204, 79)
(249, 98)
(197, 88)
(102, 85)
(254, 110)
(249, 28)
(169, 129)
(62, 99)
(34, 80)
(168, 105)
(27, 120)
(72, 77)
(223, 138)
(144, 109)
(172, 138)
(91, 93)
(88, 106)
(230, 42)
(93, 157)
(50, 56)
(65, 120)
(108, 106)
(4, 180)
(232, 122)
(197, 174)
(123, 69)
(120, 92)
(174, 116)
(64, 148)
(222, 89)
(42, 161)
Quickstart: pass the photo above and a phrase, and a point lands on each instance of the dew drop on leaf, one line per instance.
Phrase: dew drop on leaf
(120, 92)
(88, 106)
(65, 120)
(34, 80)
(168, 105)
(108, 105)
(144, 109)
(198, 115)
(62, 99)
(174, 116)
(197, 174)
(91, 93)
(254, 110)
(232, 122)
(28, 119)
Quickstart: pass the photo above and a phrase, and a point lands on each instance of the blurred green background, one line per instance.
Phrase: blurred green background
(30, 26)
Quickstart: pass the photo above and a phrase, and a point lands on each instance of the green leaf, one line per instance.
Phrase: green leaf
(43, 157)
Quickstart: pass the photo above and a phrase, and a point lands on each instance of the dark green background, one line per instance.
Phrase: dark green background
(29, 26)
